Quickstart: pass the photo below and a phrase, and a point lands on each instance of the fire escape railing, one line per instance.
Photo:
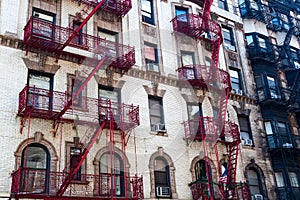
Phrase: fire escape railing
(43, 183)
(49, 37)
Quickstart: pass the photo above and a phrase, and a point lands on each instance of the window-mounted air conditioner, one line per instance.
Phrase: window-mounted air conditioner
(160, 128)
(258, 197)
(163, 191)
(153, 67)
(287, 145)
(247, 142)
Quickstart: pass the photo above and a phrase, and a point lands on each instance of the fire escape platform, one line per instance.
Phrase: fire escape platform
(42, 184)
(117, 7)
(46, 104)
(40, 35)
(194, 26)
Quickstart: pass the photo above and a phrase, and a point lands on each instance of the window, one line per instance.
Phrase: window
(279, 179)
(223, 4)
(74, 158)
(162, 177)
(188, 60)
(294, 179)
(246, 134)
(182, 14)
(78, 39)
(156, 113)
(236, 81)
(147, 11)
(278, 134)
(36, 159)
(40, 90)
(108, 35)
(228, 37)
(73, 86)
(273, 89)
(200, 170)
(43, 29)
(151, 57)
(253, 180)
(269, 132)
(262, 42)
(249, 40)
(105, 94)
(194, 111)
(111, 172)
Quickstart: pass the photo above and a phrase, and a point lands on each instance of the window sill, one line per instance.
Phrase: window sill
(80, 182)
(149, 24)
(159, 133)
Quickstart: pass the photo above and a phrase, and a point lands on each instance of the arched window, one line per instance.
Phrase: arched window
(36, 166)
(200, 170)
(254, 182)
(162, 177)
(111, 170)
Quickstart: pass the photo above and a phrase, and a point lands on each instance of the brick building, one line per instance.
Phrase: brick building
(147, 99)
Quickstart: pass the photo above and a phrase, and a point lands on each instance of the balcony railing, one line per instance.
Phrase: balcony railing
(32, 183)
(118, 7)
(40, 102)
(262, 51)
(47, 104)
(192, 25)
(280, 141)
(42, 35)
(203, 76)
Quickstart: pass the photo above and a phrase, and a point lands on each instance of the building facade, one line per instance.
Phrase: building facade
(149, 99)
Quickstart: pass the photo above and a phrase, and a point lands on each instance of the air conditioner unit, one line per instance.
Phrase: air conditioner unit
(152, 67)
(160, 128)
(229, 47)
(163, 191)
(247, 142)
(287, 145)
(258, 197)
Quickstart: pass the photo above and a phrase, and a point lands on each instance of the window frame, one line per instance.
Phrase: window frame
(159, 101)
(37, 94)
(146, 19)
(115, 173)
(239, 81)
(81, 101)
(149, 61)
(166, 174)
(247, 130)
(228, 43)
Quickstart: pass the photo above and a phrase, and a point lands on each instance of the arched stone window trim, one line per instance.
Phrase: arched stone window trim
(210, 162)
(38, 138)
(160, 153)
(261, 176)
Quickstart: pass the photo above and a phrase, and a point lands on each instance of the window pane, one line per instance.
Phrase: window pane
(150, 53)
(182, 13)
(293, 179)
(109, 94)
(194, 111)
(146, 6)
(36, 158)
(262, 42)
(268, 128)
(279, 179)
(108, 36)
(39, 81)
(187, 59)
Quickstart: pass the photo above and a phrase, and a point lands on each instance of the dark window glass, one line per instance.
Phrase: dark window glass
(223, 4)
(147, 11)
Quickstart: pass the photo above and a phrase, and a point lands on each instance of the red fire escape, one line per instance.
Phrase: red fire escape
(103, 116)
(211, 131)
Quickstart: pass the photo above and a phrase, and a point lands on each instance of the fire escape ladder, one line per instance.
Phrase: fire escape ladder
(206, 14)
(215, 51)
(80, 89)
(66, 182)
(284, 51)
(83, 12)
(232, 163)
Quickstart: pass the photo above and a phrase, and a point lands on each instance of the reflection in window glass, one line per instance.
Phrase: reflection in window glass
(293, 179)
(279, 179)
